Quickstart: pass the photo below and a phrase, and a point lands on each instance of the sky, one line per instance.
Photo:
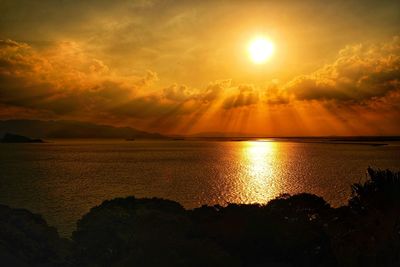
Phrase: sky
(183, 67)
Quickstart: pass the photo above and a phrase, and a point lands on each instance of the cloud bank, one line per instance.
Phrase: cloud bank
(63, 81)
(361, 72)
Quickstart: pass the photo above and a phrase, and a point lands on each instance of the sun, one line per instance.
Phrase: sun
(260, 50)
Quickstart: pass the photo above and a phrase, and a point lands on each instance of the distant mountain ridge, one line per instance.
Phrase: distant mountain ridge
(71, 129)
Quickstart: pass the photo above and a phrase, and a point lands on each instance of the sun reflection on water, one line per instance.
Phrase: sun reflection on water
(259, 159)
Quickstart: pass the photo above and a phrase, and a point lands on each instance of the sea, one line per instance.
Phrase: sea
(63, 179)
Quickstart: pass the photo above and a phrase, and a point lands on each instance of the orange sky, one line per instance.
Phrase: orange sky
(182, 67)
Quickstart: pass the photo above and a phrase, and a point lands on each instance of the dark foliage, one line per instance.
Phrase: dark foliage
(288, 230)
(299, 230)
(27, 240)
(143, 232)
(380, 191)
(367, 231)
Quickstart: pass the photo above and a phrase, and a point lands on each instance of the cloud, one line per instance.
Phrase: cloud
(214, 90)
(360, 73)
(247, 96)
(63, 80)
(177, 93)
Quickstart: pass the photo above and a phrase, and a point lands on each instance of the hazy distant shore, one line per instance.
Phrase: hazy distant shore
(64, 129)
(349, 140)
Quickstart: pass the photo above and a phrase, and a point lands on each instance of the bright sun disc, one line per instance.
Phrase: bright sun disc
(260, 50)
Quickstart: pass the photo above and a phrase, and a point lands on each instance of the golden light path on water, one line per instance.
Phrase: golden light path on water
(63, 180)
(259, 159)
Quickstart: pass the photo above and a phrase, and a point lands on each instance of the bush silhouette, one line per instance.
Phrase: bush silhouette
(27, 240)
(367, 231)
(381, 191)
(286, 230)
(143, 232)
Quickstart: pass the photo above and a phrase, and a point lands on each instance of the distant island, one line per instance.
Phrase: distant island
(15, 138)
(72, 129)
